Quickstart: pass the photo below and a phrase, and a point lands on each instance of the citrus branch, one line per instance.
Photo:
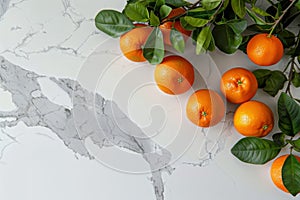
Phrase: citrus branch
(280, 18)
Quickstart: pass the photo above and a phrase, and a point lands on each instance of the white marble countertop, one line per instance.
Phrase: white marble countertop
(79, 121)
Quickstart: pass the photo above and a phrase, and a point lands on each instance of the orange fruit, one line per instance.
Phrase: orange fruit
(205, 108)
(264, 50)
(254, 119)
(238, 85)
(131, 43)
(276, 171)
(167, 26)
(174, 75)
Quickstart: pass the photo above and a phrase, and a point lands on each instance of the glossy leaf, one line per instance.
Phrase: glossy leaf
(196, 22)
(260, 11)
(203, 40)
(186, 25)
(154, 20)
(158, 4)
(153, 50)
(255, 150)
(113, 23)
(296, 79)
(226, 39)
(261, 76)
(177, 3)
(164, 11)
(275, 82)
(289, 115)
(238, 7)
(291, 175)
(210, 4)
(295, 144)
(287, 38)
(279, 139)
(137, 12)
(255, 18)
(238, 26)
(177, 40)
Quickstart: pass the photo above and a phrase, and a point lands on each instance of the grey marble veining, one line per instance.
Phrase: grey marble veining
(4, 4)
(103, 122)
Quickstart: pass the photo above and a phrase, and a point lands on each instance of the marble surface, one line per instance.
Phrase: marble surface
(79, 121)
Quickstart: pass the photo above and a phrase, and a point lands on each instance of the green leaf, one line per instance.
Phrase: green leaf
(289, 115)
(196, 22)
(279, 139)
(275, 82)
(203, 40)
(153, 50)
(239, 7)
(210, 4)
(177, 3)
(297, 4)
(177, 40)
(297, 49)
(296, 79)
(137, 12)
(201, 13)
(260, 11)
(291, 175)
(259, 28)
(158, 4)
(113, 23)
(164, 11)
(255, 18)
(287, 38)
(226, 39)
(186, 25)
(295, 144)
(261, 76)
(154, 20)
(255, 150)
(237, 25)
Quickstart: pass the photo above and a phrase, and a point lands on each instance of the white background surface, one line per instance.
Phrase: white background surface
(55, 38)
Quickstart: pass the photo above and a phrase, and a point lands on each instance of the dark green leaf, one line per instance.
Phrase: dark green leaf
(177, 40)
(287, 38)
(210, 4)
(289, 115)
(137, 12)
(212, 45)
(154, 20)
(261, 76)
(203, 40)
(290, 17)
(259, 28)
(113, 23)
(196, 22)
(238, 25)
(158, 4)
(164, 11)
(201, 13)
(275, 82)
(295, 144)
(297, 4)
(226, 39)
(255, 150)
(243, 46)
(279, 139)
(238, 7)
(291, 175)
(153, 50)
(296, 79)
(177, 3)
(297, 49)
(260, 11)
(256, 18)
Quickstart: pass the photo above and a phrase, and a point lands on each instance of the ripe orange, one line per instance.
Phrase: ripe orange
(205, 108)
(253, 118)
(174, 75)
(238, 85)
(131, 43)
(264, 50)
(167, 26)
(276, 171)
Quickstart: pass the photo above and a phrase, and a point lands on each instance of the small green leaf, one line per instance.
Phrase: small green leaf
(289, 115)
(158, 4)
(237, 25)
(177, 3)
(291, 175)
(177, 40)
(239, 8)
(295, 144)
(226, 39)
(275, 82)
(279, 139)
(210, 4)
(196, 22)
(260, 11)
(201, 13)
(296, 79)
(154, 20)
(203, 40)
(261, 76)
(255, 18)
(153, 50)
(137, 12)
(113, 23)
(255, 150)
(186, 25)
(297, 4)
(164, 11)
